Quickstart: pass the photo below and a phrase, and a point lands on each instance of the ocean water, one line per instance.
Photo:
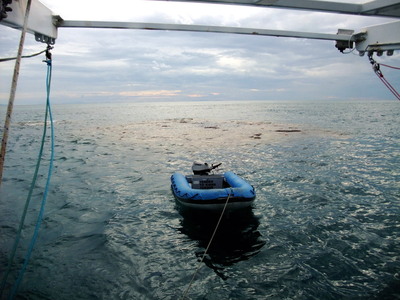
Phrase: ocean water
(325, 223)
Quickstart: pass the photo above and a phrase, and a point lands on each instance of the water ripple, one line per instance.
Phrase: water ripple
(324, 225)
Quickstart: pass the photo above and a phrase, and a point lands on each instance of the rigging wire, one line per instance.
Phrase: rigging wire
(378, 72)
(208, 246)
(376, 67)
(388, 66)
(48, 115)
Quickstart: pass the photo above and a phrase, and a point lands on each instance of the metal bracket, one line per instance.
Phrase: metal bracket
(343, 45)
(44, 39)
(40, 18)
(379, 38)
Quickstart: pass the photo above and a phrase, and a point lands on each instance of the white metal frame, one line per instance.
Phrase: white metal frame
(383, 8)
(379, 38)
(40, 18)
(202, 28)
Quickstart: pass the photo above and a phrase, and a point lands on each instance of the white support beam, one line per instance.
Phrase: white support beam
(313, 5)
(382, 8)
(379, 38)
(40, 18)
(376, 38)
(389, 8)
(202, 28)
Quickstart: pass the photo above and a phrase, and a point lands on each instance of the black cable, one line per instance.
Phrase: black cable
(24, 56)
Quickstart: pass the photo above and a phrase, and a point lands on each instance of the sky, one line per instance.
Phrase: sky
(109, 65)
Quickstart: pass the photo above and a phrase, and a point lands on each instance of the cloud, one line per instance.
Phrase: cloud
(91, 65)
(195, 96)
(151, 94)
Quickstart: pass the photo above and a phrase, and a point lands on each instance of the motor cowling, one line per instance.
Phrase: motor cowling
(203, 168)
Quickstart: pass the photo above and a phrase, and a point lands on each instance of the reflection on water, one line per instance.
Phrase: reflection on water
(328, 203)
(236, 239)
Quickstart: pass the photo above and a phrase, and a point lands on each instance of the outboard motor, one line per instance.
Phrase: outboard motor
(203, 168)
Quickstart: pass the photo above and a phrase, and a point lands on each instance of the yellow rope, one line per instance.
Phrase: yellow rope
(208, 246)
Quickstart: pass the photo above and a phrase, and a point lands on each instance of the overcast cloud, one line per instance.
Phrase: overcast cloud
(92, 65)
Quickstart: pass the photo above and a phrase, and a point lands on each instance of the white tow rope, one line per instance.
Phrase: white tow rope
(208, 246)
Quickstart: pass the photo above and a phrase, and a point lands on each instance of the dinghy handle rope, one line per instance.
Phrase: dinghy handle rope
(48, 114)
(208, 246)
(377, 69)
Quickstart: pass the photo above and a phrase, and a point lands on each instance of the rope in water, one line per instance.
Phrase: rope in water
(46, 190)
(48, 115)
(206, 251)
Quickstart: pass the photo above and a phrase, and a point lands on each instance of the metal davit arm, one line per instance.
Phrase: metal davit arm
(40, 21)
(380, 8)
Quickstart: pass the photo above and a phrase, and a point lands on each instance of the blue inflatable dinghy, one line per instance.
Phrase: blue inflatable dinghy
(211, 191)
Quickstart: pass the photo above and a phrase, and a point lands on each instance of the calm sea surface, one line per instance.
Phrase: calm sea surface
(325, 223)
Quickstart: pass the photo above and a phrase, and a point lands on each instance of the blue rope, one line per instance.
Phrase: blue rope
(27, 202)
(44, 199)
